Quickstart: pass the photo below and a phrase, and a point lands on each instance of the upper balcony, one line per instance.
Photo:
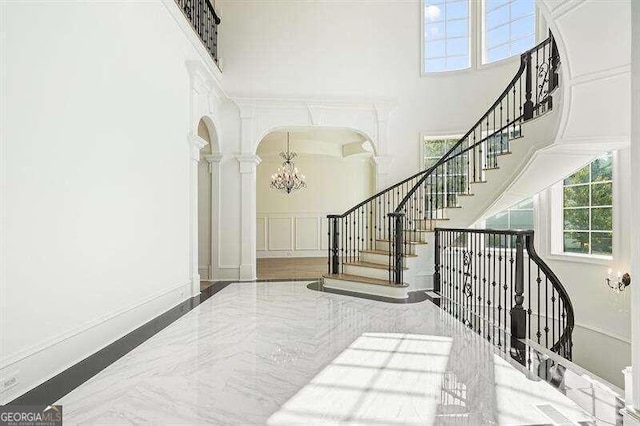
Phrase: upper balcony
(204, 20)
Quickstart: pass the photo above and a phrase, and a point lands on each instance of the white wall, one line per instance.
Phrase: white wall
(296, 224)
(353, 51)
(95, 178)
(602, 338)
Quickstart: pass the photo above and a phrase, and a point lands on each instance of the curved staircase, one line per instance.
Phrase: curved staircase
(386, 245)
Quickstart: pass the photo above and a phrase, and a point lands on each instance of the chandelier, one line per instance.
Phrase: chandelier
(287, 178)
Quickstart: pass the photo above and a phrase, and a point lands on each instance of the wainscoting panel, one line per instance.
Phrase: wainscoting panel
(306, 233)
(295, 235)
(324, 233)
(280, 233)
(261, 234)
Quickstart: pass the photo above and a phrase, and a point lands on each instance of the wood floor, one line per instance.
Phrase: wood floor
(299, 267)
(283, 268)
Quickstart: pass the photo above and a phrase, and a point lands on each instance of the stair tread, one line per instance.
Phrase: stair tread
(364, 280)
(370, 264)
(406, 242)
(386, 253)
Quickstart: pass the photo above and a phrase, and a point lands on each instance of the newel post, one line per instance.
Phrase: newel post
(528, 104)
(436, 273)
(518, 314)
(397, 243)
(334, 237)
(555, 60)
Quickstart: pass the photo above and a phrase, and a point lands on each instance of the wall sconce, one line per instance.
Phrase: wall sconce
(620, 283)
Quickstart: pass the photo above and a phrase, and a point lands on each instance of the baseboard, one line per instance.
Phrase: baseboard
(226, 273)
(37, 364)
(203, 271)
(422, 282)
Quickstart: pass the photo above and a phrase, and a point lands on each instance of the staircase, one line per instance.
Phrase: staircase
(385, 246)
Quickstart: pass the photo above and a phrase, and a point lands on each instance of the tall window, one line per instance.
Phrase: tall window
(509, 28)
(450, 178)
(519, 216)
(446, 35)
(588, 209)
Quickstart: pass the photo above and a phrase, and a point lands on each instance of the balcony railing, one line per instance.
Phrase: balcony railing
(205, 21)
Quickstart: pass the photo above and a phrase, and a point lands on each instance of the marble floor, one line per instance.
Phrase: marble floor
(278, 353)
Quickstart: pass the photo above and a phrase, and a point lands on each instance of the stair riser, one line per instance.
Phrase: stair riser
(416, 236)
(410, 248)
(376, 290)
(383, 259)
(363, 271)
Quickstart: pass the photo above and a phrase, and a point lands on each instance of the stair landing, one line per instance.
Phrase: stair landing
(367, 285)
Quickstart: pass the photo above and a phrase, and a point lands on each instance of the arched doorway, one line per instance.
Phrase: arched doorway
(291, 228)
(207, 200)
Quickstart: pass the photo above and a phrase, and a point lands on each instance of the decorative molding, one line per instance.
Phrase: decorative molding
(307, 103)
(213, 159)
(564, 8)
(601, 75)
(383, 110)
(202, 81)
(301, 226)
(248, 162)
(196, 143)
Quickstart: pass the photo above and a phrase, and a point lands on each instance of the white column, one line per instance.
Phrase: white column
(216, 172)
(248, 163)
(635, 201)
(382, 164)
(196, 143)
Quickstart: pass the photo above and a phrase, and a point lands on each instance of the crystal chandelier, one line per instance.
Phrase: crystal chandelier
(287, 178)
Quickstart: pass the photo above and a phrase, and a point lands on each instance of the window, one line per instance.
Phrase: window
(446, 35)
(588, 209)
(509, 28)
(519, 216)
(450, 177)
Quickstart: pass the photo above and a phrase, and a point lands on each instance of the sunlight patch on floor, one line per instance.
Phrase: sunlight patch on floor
(381, 378)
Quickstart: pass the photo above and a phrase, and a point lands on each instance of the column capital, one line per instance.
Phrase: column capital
(248, 162)
(246, 107)
(383, 110)
(214, 158)
(196, 143)
(382, 161)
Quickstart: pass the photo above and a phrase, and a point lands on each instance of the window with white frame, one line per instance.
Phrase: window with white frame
(450, 177)
(446, 35)
(588, 209)
(519, 216)
(509, 28)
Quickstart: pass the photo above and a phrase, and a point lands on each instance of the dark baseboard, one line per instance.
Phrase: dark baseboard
(58, 386)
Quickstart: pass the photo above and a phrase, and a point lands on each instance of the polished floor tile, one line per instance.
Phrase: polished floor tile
(278, 353)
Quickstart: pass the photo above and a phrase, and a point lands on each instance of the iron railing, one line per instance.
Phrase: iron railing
(495, 283)
(205, 21)
(392, 220)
